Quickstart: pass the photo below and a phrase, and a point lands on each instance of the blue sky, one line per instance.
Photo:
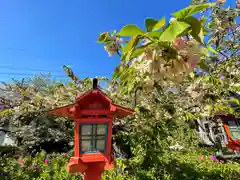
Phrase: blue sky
(46, 34)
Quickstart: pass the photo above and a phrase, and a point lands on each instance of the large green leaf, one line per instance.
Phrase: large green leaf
(154, 34)
(149, 23)
(198, 37)
(130, 30)
(196, 28)
(189, 11)
(195, 24)
(175, 28)
(130, 44)
(159, 24)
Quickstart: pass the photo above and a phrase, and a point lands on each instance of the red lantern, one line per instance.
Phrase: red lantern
(231, 126)
(93, 115)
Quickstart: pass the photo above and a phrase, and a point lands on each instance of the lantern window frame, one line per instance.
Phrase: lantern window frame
(93, 138)
(234, 127)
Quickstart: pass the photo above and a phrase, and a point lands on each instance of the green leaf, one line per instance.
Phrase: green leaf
(154, 34)
(112, 33)
(130, 44)
(212, 50)
(196, 28)
(195, 24)
(203, 66)
(133, 53)
(128, 56)
(149, 23)
(197, 37)
(130, 30)
(115, 74)
(137, 52)
(189, 11)
(123, 57)
(159, 24)
(174, 29)
(188, 116)
(192, 75)
(117, 71)
(103, 37)
(236, 101)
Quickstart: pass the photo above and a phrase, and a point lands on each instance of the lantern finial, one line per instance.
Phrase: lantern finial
(95, 83)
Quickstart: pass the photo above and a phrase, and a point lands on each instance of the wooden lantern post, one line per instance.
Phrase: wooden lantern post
(93, 115)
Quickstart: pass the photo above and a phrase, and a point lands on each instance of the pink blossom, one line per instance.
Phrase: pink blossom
(212, 158)
(46, 161)
(193, 60)
(21, 161)
(201, 158)
(180, 43)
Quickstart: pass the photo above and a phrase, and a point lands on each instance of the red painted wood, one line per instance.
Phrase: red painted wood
(109, 141)
(76, 139)
(94, 172)
(92, 176)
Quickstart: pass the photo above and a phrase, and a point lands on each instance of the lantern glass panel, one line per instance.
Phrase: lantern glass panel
(86, 130)
(234, 127)
(93, 138)
(86, 146)
(100, 145)
(101, 129)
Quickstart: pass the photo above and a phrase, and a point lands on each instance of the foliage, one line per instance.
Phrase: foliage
(168, 96)
(24, 115)
(48, 166)
(42, 166)
(177, 165)
(165, 51)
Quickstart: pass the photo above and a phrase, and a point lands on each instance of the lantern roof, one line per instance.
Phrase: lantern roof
(87, 98)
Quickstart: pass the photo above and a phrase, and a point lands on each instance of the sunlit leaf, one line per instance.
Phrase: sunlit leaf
(149, 23)
(137, 52)
(159, 24)
(197, 37)
(130, 44)
(195, 24)
(112, 33)
(189, 11)
(128, 56)
(236, 101)
(212, 50)
(130, 30)
(154, 34)
(174, 29)
(117, 71)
